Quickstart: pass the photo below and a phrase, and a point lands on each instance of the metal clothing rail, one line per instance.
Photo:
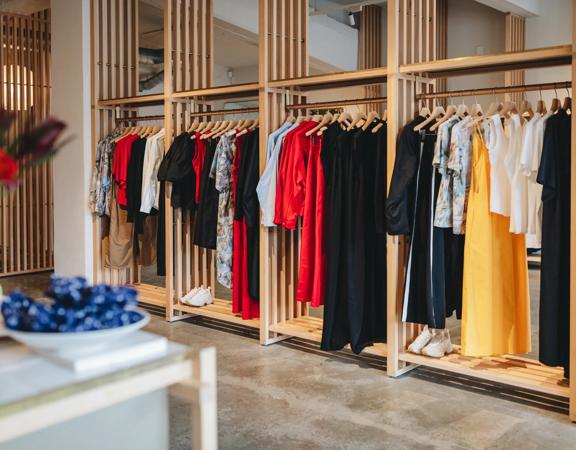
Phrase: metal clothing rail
(222, 112)
(495, 90)
(318, 105)
(138, 118)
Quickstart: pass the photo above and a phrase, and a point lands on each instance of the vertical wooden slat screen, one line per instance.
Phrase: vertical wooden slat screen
(412, 28)
(114, 49)
(26, 238)
(371, 48)
(190, 47)
(515, 41)
(283, 54)
(441, 45)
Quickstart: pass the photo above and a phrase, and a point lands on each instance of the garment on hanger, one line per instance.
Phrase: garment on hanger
(221, 172)
(529, 162)
(207, 214)
(266, 188)
(518, 181)
(198, 162)
(443, 214)
(153, 155)
(101, 184)
(122, 155)
(134, 183)
(500, 194)
(554, 175)
(242, 302)
(355, 303)
(496, 305)
(119, 241)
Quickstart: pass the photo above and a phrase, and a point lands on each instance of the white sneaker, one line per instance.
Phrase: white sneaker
(201, 298)
(420, 342)
(439, 345)
(191, 294)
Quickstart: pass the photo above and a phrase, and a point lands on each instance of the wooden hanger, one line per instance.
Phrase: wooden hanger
(356, 119)
(345, 118)
(325, 120)
(462, 110)
(567, 105)
(526, 109)
(231, 124)
(194, 126)
(450, 111)
(377, 127)
(372, 116)
(255, 124)
(424, 110)
(438, 111)
(221, 125)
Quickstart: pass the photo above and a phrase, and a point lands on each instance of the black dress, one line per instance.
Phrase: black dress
(207, 215)
(355, 304)
(554, 175)
(134, 184)
(247, 207)
(433, 281)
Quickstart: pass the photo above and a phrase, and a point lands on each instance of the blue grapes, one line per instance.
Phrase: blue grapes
(75, 306)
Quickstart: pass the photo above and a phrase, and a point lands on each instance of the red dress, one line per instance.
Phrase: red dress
(198, 162)
(122, 155)
(312, 271)
(242, 302)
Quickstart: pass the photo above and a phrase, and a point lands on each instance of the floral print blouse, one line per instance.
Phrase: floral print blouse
(221, 171)
(443, 216)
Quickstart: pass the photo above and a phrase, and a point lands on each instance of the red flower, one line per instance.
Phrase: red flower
(8, 169)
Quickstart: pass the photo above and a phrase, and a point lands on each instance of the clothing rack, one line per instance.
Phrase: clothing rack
(494, 90)
(138, 118)
(222, 112)
(318, 105)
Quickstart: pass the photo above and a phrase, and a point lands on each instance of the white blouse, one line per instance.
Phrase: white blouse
(518, 181)
(500, 183)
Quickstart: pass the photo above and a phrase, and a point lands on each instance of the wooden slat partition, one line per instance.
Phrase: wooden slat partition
(371, 48)
(26, 230)
(515, 41)
(114, 49)
(283, 54)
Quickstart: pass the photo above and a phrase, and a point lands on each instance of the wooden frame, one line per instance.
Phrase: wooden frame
(26, 213)
(416, 62)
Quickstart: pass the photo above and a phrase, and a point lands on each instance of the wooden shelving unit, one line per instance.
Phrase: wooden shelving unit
(466, 65)
(138, 100)
(220, 309)
(152, 295)
(512, 370)
(332, 80)
(221, 92)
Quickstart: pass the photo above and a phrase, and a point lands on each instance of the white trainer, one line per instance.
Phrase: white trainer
(421, 341)
(203, 297)
(191, 294)
(439, 345)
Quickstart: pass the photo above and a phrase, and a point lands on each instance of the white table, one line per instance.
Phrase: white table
(124, 406)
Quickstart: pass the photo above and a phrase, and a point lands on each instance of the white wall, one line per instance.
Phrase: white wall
(552, 27)
(70, 101)
(474, 29)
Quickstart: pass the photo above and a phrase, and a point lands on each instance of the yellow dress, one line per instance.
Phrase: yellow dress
(495, 297)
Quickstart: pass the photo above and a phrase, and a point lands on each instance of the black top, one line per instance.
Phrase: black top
(134, 183)
(207, 216)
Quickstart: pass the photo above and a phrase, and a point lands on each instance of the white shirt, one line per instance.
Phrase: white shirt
(266, 188)
(153, 154)
(499, 181)
(518, 181)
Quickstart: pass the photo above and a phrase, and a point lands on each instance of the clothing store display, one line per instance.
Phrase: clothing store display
(221, 172)
(355, 299)
(496, 305)
(554, 176)
(207, 200)
(153, 154)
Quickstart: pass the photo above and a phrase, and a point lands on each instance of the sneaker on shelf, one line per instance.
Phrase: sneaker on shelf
(191, 294)
(439, 345)
(420, 342)
(202, 298)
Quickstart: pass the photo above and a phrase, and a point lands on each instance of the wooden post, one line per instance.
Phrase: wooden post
(515, 39)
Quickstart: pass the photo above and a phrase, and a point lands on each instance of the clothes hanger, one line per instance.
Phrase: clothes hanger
(526, 110)
(450, 111)
(231, 124)
(255, 124)
(223, 124)
(357, 118)
(194, 126)
(379, 125)
(438, 111)
(345, 118)
(567, 105)
(424, 111)
(555, 106)
(372, 116)
(540, 105)
(462, 110)
(476, 109)
(325, 120)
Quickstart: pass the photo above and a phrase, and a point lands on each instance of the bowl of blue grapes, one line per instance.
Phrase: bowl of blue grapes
(74, 317)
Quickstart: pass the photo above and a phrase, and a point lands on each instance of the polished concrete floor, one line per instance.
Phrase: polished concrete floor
(292, 396)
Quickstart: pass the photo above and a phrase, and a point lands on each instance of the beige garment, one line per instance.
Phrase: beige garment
(147, 241)
(119, 248)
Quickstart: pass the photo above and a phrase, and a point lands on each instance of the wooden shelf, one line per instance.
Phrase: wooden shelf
(547, 56)
(333, 80)
(222, 92)
(221, 310)
(307, 327)
(151, 295)
(140, 100)
(512, 370)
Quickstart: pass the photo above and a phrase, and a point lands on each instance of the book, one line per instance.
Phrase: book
(132, 349)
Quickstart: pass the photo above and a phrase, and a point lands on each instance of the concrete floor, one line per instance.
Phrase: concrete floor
(281, 397)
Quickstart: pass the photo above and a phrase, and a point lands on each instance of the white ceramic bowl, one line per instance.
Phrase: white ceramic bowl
(77, 343)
